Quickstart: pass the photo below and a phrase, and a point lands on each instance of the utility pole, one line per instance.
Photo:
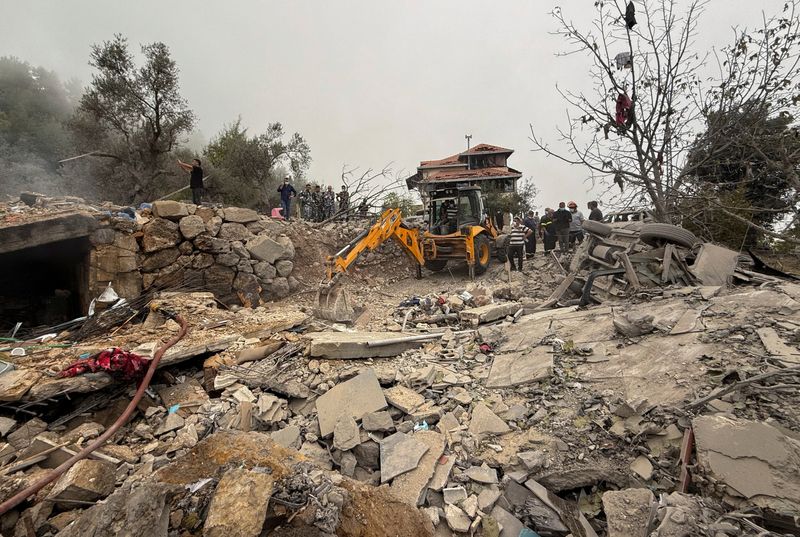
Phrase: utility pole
(468, 138)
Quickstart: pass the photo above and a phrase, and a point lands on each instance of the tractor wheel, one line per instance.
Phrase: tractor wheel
(483, 253)
(660, 234)
(435, 265)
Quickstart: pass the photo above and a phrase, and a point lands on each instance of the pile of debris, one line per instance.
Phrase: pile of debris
(448, 409)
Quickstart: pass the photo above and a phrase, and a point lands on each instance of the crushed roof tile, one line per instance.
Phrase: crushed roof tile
(479, 173)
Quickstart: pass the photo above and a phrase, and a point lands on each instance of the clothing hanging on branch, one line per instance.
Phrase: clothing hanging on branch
(624, 105)
(619, 181)
(623, 60)
(630, 15)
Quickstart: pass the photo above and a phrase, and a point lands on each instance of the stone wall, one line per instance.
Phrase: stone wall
(236, 253)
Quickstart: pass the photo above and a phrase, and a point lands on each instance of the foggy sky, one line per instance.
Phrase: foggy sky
(366, 82)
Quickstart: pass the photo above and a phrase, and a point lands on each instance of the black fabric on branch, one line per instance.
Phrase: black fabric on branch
(618, 180)
(630, 15)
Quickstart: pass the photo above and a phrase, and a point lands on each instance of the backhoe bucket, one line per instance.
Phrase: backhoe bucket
(333, 303)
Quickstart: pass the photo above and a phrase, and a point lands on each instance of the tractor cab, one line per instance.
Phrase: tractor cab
(452, 209)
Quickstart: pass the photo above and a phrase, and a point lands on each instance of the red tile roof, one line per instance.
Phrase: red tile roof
(447, 161)
(487, 148)
(480, 173)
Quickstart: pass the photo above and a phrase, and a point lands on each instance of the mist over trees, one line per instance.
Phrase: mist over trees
(118, 138)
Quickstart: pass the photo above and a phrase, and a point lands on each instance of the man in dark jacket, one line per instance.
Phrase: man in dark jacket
(530, 241)
(562, 219)
(594, 213)
(195, 179)
(546, 230)
(287, 193)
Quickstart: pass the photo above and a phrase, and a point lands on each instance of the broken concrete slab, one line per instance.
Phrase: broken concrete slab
(511, 525)
(404, 398)
(533, 460)
(6, 424)
(378, 421)
(776, 346)
(15, 384)
(358, 396)
(628, 512)
(288, 437)
(482, 474)
(188, 395)
(25, 433)
(516, 369)
(173, 210)
(410, 487)
(686, 323)
(448, 422)
(441, 474)
(88, 480)
(569, 512)
(484, 421)
(239, 505)
(714, 265)
(457, 520)
(400, 453)
(172, 422)
(487, 498)
(642, 467)
(753, 460)
(354, 345)
(345, 434)
(454, 495)
(489, 313)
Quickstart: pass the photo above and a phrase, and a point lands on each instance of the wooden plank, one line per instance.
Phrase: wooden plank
(633, 279)
(667, 263)
(559, 291)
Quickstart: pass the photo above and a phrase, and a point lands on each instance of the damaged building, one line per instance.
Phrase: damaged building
(645, 385)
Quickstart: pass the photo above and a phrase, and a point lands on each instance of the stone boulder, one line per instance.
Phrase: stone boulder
(288, 246)
(206, 243)
(158, 260)
(159, 234)
(279, 288)
(173, 210)
(219, 280)
(247, 289)
(264, 270)
(192, 226)
(284, 267)
(240, 215)
(88, 480)
(231, 231)
(213, 225)
(265, 249)
(239, 506)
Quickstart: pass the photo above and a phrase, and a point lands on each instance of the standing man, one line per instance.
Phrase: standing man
(531, 223)
(316, 198)
(562, 219)
(287, 193)
(307, 203)
(576, 225)
(344, 200)
(195, 179)
(328, 203)
(594, 213)
(547, 231)
(516, 242)
(363, 208)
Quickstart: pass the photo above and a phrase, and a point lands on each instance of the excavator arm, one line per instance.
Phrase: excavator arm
(332, 303)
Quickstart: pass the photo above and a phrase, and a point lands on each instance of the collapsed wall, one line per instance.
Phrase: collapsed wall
(240, 256)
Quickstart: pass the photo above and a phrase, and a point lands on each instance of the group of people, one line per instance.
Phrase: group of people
(563, 226)
(315, 205)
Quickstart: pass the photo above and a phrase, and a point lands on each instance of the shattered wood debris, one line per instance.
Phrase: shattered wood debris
(447, 409)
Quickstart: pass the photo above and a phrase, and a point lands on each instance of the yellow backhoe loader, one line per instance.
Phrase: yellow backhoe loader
(458, 229)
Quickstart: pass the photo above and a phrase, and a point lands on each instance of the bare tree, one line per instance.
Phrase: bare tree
(367, 187)
(635, 124)
(653, 121)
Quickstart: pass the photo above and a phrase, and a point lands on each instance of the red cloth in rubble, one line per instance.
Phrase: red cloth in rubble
(120, 364)
(624, 104)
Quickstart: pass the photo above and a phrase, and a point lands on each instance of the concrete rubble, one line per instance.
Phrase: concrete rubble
(660, 400)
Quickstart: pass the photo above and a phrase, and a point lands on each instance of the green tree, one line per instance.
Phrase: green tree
(404, 202)
(518, 202)
(249, 168)
(133, 116)
(34, 108)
